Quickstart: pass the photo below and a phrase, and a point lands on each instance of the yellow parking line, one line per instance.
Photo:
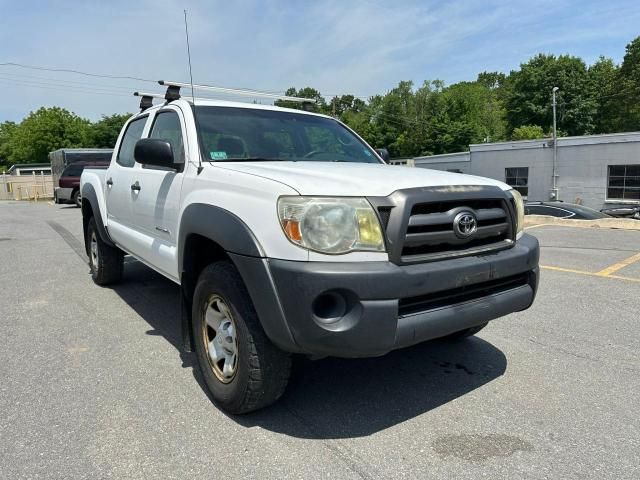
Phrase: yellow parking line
(617, 266)
(591, 274)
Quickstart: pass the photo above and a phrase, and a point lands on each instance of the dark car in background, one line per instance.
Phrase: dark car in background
(563, 210)
(631, 211)
(66, 167)
(69, 182)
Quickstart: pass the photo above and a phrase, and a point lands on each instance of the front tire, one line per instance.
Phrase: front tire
(106, 262)
(242, 369)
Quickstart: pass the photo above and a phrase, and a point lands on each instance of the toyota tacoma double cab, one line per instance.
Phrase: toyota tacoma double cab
(288, 234)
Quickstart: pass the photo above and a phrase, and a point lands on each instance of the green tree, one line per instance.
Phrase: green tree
(624, 98)
(7, 130)
(492, 80)
(104, 133)
(529, 97)
(45, 130)
(602, 77)
(306, 92)
(527, 132)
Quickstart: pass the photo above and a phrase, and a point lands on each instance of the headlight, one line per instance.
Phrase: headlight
(519, 210)
(330, 225)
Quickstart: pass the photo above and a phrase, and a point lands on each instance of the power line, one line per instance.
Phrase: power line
(129, 77)
(36, 83)
(78, 72)
(20, 78)
(63, 89)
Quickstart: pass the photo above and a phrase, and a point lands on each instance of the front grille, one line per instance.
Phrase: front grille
(431, 301)
(419, 223)
(430, 230)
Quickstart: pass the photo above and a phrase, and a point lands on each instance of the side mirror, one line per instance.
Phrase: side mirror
(155, 152)
(384, 153)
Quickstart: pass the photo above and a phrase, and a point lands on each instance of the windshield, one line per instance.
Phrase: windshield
(244, 134)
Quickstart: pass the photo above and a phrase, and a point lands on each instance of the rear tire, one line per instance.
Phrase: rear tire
(106, 262)
(242, 369)
(467, 332)
(76, 198)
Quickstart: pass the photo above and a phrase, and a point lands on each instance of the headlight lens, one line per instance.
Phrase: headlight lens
(519, 210)
(330, 225)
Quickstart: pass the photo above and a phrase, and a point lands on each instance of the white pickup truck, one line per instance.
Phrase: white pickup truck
(288, 234)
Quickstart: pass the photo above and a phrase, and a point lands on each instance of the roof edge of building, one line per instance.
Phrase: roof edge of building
(466, 157)
(562, 142)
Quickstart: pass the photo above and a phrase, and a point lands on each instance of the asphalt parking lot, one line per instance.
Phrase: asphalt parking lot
(94, 384)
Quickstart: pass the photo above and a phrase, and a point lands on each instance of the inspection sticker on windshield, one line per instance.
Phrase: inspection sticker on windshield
(218, 155)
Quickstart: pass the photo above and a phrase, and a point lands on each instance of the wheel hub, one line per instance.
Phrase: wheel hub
(220, 340)
(93, 247)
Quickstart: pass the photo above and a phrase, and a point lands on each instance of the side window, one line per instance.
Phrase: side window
(166, 126)
(550, 211)
(128, 144)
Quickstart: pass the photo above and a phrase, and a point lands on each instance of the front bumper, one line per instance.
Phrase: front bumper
(63, 193)
(370, 308)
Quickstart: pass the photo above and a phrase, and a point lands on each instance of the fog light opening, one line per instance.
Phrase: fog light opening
(329, 307)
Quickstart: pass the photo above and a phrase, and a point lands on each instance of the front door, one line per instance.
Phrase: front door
(157, 204)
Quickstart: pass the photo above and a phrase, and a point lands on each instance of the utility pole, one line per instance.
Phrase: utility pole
(554, 189)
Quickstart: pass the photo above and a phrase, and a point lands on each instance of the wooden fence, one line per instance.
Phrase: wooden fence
(26, 187)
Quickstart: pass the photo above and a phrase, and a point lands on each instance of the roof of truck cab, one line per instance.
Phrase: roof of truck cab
(201, 102)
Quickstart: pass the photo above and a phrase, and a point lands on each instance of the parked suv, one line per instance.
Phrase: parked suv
(288, 234)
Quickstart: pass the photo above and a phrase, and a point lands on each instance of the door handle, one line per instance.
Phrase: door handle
(135, 187)
(109, 182)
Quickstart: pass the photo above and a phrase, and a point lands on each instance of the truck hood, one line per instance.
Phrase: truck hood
(354, 179)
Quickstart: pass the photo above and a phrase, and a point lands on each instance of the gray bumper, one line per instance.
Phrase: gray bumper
(370, 308)
(63, 194)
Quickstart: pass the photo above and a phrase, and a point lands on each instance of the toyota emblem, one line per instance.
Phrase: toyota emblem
(465, 224)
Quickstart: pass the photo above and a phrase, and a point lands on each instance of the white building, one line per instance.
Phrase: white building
(597, 171)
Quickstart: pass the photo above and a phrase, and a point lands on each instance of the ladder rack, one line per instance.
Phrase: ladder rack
(146, 99)
(173, 92)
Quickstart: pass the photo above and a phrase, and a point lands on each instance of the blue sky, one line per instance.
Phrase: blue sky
(338, 46)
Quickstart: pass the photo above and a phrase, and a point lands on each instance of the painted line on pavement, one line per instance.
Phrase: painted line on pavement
(620, 265)
(590, 274)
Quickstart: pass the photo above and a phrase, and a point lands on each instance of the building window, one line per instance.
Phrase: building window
(623, 182)
(518, 178)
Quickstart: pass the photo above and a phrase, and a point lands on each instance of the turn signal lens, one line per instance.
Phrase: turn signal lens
(292, 229)
(519, 210)
(370, 233)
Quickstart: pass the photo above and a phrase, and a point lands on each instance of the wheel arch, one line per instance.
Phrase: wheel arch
(207, 234)
(90, 208)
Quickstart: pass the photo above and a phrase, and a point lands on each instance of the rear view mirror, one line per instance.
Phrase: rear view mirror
(384, 153)
(156, 152)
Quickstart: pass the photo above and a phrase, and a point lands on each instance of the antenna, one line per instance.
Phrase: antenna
(193, 97)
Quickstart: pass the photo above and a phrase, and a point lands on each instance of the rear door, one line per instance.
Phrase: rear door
(118, 187)
(157, 202)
